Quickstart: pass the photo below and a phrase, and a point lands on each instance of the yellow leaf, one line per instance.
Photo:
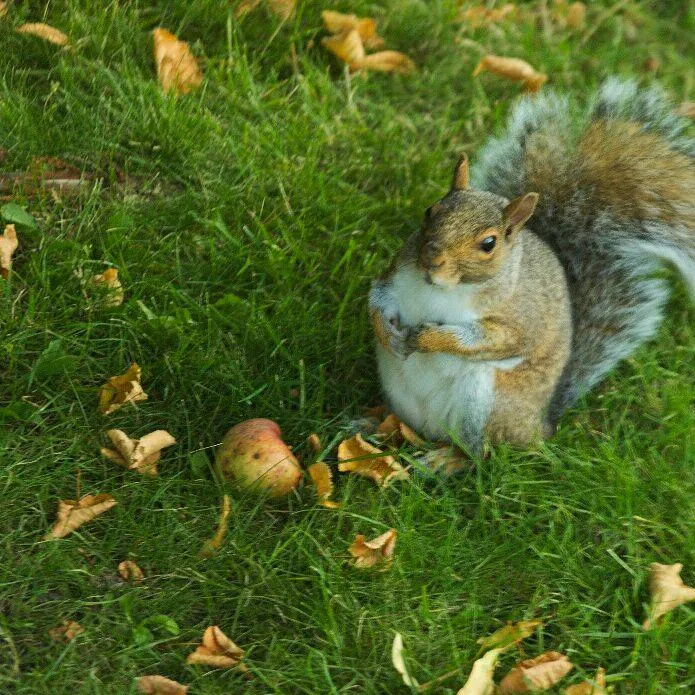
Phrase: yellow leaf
(480, 679)
(212, 545)
(360, 457)
(110, 282)
(395, 429)
(140, 455)
(122, 389)
(130, 572)
(576, 15)
(513, 69)
(339, 23)
(384, 61)
(378, 551)
(282, 8)
(509, 634)
(66, 632)
(3, 8)
(668, 591)
(177, 69)
(597, 687)
(73, 513)
(322, 478)
(540, 673)
(218, 651)
(479, 16)
(314, 442)
(399, 662)
(8, 245)
(347, 46)
(45, 32)
(159, 685)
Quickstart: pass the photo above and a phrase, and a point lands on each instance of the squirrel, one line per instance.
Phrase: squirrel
(534, 275)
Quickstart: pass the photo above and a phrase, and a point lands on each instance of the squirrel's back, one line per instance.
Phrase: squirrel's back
(617, 199)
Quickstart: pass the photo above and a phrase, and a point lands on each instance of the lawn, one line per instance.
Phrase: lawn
(247, 220)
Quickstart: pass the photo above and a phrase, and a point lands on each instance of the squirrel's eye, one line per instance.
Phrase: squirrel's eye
(488, 244)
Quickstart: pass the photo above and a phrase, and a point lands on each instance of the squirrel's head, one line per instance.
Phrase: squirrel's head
(466, 236)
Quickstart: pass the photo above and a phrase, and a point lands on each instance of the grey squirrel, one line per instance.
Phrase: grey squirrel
(527, 284)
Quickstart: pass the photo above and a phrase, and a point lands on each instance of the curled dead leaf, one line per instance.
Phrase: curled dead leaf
(121, 389)
(540, 673)
(108, 280)
(595, 687)
(398, 661)
(66, 632)
(177, 68)
(384, 61)
(214, 544)
(478, 16)
(217, 650)
(322, 478)
(8, 245)
(668, 591)
(576, 15)
(398, 432)
(512, 633)
(513, 69)
(378, 551)
(339, 23)
(480, 681)
(314, 441)
(283, 8)
(140, 455)
(347, 46)
(45, 32)
(360, 457)
(159, 685)
(130, 572)
(74, 513)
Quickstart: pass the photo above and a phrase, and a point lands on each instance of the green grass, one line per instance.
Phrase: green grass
(253, 215)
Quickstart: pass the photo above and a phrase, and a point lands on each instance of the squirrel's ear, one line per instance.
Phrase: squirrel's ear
(518, 211)
(461, 174)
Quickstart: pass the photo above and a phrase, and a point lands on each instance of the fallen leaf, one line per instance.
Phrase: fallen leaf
(322, 478)
(159, 685)
(687, 108)
(122, 389)
(376, 411)
(177, 68)
(576, 15)
(512, 633)
(480, 681)
(73, 513)
(360, 457)
(514, 69)
(339, 23)
(540, 673)
(130, 572)
(347, 46)
(479, 16)
(8, 245)
(399, 662)
(667, 590)
(378, 551)
(396, 430)
(218, 651)
(212, 545)
(3, 9)
(140, 455)
(314, 441)
(45, 32)
(282, 8)
(66, 632)
(384, 61)
(446, 460)
(112, 286)
(597, 687)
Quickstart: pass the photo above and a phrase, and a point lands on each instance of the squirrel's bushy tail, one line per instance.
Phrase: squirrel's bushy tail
(617, 200)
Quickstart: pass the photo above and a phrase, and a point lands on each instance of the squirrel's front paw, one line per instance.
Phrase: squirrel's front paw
(398, 339)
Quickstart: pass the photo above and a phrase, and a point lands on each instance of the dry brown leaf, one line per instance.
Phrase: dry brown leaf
(687, 108)
(66, 632)
(283, 8)
(314, 441)
(540, 673)
(398, 432)
(213, 545)
(667, 590)
(73, 513)
(114, 290)
(360, 457)
(3, 8)
(130, 572)
(512, 633)
(322, 478)
(45, 32)
(177, 68)
(378, 551)
(140, 455)
(480, 681)
(339, 23)
(446, 460)
(399, 662)
(217, 651)
(384, 61)
(479, 16)
(8, 245)
(597, 687)
(347, 46)
(513, 69)
(121, 389)
(159, 685)
(576, 15)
